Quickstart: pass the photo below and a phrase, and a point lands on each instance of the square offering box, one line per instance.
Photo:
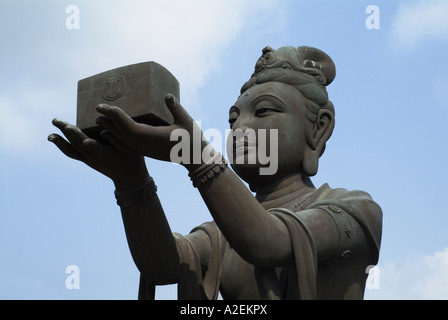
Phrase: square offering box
(138, 89)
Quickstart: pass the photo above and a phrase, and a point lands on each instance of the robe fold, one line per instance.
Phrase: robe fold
(357, 219)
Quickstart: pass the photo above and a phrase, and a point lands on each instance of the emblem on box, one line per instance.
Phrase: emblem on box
(139, 89)
(116, 86)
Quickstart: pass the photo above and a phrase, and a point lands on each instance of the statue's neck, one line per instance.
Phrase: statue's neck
(284, 190)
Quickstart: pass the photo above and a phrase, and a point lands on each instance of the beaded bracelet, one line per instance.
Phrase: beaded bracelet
(208, 170)
(128, 199)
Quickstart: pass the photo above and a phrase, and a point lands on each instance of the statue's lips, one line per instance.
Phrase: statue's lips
(243, 147)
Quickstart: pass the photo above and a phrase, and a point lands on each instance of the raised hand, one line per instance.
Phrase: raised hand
(152, 141)
(126, 169)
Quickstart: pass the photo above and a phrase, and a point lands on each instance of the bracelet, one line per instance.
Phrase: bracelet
(128, 199)
(208, 170)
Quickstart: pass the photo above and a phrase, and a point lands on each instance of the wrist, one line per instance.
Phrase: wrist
(200, 157)
(131, 175)
(136, 196)
(131, 181)
(200, 174)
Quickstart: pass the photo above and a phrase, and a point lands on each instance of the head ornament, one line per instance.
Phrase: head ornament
(302, 65)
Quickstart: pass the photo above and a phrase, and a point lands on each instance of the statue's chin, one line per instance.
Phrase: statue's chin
(250, 173)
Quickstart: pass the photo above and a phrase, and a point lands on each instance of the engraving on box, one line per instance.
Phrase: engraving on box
(139, 89)
(116, 86)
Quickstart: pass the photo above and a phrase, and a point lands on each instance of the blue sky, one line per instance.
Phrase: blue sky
(390, 96)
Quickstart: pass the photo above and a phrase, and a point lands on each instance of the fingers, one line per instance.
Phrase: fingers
(136, 138)
(110, 137)
(121, 124)
(60, 124)
(110, 131)
(75, 136)
(73, 133)
(104, 122)
(75, 149)
(65, 147)
(180, 115)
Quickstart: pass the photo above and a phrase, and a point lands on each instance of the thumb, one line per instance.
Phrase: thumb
(180, 115)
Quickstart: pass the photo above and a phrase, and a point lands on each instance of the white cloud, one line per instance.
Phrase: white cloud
(416, 22)
(436, 284)
(187, 37)
(420, 278)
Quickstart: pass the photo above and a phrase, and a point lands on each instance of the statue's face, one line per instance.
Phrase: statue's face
(270, 106)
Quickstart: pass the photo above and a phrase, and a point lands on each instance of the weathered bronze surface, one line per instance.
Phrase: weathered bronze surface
(291, 240)
(139, 89)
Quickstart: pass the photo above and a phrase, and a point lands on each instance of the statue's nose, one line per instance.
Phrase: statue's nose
(242, 122)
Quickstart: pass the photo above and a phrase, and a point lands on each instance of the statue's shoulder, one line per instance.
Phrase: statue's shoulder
(208, 227)
(351, 201)
(357, 203)
(327, 193)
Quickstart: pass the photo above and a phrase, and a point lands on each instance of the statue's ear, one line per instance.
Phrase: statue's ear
(317, 135)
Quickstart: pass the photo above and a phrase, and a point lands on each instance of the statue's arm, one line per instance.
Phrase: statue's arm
(258, 236)
(255, 234)
(157, 253)
(150, 239)
(263, 238)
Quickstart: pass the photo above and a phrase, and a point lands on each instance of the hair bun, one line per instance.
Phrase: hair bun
(311, 57)
(299, 65)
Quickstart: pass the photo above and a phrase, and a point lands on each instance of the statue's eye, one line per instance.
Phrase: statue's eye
(265, 111)
(233, 117)
(261, 111)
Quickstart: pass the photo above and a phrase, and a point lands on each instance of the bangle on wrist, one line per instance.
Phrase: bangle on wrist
(208, 170)
(143, 193)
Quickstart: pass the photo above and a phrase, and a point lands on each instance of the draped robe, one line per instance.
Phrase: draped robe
(358, 221)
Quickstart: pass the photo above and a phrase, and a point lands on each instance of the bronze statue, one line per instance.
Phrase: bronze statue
(290, 241)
